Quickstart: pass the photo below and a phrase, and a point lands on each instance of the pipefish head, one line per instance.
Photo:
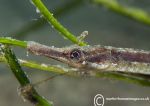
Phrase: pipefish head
(74, 56)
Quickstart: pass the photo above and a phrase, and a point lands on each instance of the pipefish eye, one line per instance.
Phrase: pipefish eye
(75, 54)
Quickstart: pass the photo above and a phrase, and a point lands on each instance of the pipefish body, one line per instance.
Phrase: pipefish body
(98, 57)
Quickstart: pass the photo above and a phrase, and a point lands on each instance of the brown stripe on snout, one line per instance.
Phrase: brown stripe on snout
(50, 53)
(43, 50)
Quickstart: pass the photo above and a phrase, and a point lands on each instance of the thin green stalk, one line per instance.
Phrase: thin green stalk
(15, 67)
(125, 77)
(50, 18)
(8, 40)
(44, 67)
(130, 12)
(28, 94)
(35, 65)
(41, 22)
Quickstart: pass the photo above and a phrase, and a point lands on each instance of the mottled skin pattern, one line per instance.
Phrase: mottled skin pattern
(96, 57)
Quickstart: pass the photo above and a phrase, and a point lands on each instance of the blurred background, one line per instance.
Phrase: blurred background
(18, 19)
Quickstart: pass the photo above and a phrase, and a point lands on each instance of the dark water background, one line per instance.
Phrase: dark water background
(104, 27)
